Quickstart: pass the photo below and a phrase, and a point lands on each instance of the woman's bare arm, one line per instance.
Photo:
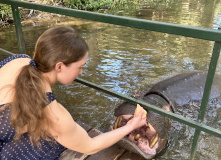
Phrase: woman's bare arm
(71, 135)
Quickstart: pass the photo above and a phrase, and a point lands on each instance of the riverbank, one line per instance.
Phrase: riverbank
(6, 18)
(102, 6)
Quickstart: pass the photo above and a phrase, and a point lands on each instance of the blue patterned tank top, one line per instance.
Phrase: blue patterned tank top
(23, 149)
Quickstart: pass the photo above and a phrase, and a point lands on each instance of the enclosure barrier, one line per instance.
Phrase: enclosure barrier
(187, 31)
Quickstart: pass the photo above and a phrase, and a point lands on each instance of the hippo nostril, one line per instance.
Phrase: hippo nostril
(137, 137)
(153, 140)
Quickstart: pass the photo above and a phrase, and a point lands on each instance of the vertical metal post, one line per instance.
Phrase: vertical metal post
(206, 94)
(18, 28)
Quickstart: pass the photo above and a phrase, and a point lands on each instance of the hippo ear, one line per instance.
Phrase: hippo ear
(137, 94)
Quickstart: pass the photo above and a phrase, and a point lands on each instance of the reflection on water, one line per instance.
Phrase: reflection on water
(126, 59)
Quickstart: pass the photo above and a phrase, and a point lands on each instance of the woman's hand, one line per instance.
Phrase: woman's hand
(137, 121)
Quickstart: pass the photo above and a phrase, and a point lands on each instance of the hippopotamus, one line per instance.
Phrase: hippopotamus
(178, 90)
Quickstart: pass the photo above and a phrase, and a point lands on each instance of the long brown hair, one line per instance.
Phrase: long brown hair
(58, 44)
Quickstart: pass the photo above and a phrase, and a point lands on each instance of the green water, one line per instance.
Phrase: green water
(126, 59)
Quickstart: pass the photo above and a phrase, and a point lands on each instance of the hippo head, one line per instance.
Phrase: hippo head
(150, 139)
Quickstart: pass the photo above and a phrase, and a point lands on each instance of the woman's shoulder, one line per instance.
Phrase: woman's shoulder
(10, 68)
(13, 64)
(14, 58)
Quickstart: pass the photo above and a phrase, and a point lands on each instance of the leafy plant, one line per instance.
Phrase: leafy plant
(97, 4)
(5, 13)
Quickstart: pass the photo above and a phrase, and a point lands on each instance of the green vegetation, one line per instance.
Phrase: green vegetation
(5, 14)
(97, 4)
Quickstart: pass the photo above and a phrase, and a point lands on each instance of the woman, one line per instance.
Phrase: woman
(33, 125)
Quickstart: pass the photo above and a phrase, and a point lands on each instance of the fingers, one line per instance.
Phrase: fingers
(140, 112)
(137, 121)
(142, 115)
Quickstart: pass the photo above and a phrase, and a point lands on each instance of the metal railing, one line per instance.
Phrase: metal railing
(188, 31)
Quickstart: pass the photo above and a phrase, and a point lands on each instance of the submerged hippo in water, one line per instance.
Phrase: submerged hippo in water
(167, 94)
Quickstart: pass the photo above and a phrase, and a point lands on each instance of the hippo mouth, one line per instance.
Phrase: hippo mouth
(150, 139)
(145, 138)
